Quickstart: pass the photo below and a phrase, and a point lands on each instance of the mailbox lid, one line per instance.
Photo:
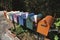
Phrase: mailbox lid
(39, 17)
(30, 14)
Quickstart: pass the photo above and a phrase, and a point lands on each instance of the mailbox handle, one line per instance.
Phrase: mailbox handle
(44, 25)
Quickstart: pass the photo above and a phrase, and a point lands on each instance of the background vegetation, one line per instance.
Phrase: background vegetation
(44, 6)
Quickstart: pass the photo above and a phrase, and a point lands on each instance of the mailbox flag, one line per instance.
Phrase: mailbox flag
(44, 25)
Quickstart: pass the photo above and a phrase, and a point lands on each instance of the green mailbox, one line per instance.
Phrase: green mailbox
(29, 23)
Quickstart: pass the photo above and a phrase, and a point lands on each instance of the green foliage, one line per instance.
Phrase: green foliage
(6, 4)
(56, 37)
(12, 29)
(57, 22)
(36, 5)
(19, 30)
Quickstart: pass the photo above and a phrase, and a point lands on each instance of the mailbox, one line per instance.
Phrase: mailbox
(39, 17)
(34, 20)
(44, 25)
(11, 14)
(29, 21)
(15, 17)
(24, 15)
(20, 21)
(22, 18)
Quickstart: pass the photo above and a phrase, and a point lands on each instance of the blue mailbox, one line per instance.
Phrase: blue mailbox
(20, 21)
(22, 18)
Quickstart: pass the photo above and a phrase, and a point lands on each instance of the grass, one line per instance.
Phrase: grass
(22, 33)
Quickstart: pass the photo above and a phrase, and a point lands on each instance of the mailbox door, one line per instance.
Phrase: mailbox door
(29, 24)
(20, 20)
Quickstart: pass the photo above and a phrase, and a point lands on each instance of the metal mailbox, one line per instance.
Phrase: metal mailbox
(22, 18)
(44, 25)
(29, 21)
(34, 19)
(39, 17)
(12, 14)
(20, 21)
(15, 17)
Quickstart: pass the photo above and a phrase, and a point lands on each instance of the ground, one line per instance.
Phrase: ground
(3, 26)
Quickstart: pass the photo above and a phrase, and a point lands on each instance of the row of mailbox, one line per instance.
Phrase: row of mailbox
(31, 21)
